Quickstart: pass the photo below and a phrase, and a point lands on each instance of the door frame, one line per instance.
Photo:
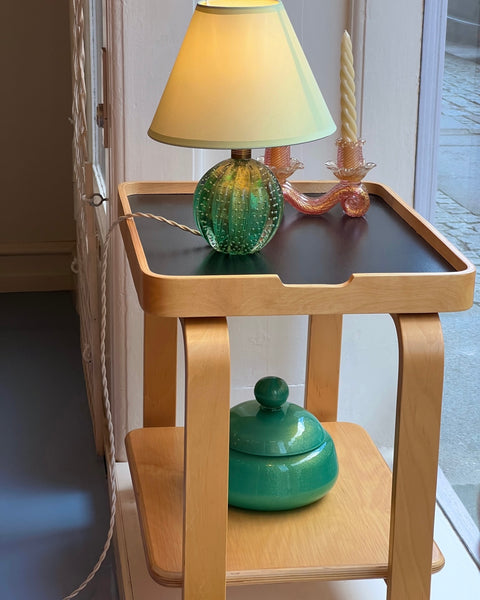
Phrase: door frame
(430, 106)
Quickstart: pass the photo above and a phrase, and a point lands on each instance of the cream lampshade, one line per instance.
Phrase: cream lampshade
(240, 81)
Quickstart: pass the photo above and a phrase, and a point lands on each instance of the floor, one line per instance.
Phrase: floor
(54, 507)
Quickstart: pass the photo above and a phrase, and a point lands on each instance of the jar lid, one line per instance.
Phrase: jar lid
(271, 426)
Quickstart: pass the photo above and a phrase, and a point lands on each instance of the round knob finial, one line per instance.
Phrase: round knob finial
(271, 392)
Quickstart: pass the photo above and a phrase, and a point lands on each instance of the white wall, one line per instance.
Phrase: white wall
(393, 36)
(37, 227)
(152, 33)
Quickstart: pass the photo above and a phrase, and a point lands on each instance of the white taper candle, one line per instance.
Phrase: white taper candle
(347, 90)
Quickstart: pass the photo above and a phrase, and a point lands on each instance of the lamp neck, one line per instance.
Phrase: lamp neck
(245, 154)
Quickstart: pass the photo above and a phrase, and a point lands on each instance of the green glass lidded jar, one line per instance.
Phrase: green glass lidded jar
(280, 455)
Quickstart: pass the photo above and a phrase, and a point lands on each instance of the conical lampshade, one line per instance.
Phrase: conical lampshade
(241, 80)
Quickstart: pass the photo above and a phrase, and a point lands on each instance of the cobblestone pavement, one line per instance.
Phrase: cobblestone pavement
(459, 157)
(461, 92)
(457, 216)
(462, 228)
(457, 213)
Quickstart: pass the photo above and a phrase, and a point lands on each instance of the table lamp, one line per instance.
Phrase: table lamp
(240, 81)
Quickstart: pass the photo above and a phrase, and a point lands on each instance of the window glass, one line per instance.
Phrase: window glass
(457, 216)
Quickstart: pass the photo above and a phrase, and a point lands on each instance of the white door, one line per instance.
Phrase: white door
(90, 188)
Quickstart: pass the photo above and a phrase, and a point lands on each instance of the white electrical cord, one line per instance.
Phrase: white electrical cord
(80, 159)
(110, 441)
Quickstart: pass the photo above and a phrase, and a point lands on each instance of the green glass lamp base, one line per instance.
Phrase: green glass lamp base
(238, 205)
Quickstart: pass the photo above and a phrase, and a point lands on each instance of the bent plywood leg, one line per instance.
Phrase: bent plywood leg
(323, 365)
(207, 365)
(159, 371)
(416, 456)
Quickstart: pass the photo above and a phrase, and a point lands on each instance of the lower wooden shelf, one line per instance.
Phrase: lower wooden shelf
(342, 536)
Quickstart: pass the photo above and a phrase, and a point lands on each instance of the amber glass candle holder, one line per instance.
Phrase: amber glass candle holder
(349, 169)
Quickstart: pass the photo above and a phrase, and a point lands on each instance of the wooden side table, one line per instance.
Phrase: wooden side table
(370, 524)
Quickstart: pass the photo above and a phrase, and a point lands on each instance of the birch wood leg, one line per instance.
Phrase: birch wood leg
(207, 406)
(159, 371)
(416, 456)
(323, 365)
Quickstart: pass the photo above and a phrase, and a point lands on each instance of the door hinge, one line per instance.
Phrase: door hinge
(102, 116)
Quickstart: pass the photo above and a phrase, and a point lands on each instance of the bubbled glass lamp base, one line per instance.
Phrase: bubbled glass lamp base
(238, 205)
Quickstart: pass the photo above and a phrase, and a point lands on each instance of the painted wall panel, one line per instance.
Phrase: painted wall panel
(393, 38)
(153, 33)
(319, 27)
(35, 107)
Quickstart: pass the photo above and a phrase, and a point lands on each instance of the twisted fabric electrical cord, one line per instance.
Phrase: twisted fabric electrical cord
(110, 449)
(157, 218)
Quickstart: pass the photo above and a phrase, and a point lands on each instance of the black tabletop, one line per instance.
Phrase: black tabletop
(324, 249)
